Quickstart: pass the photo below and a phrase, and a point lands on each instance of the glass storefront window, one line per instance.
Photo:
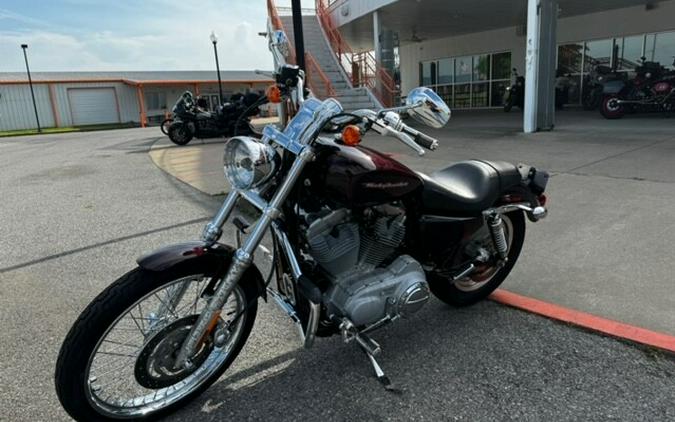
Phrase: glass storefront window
(481, 67)
(446, 71)
(661, 48)
(628, 52)
(468, 81)
(598, 53)
(445, 92)
(570, 57)
(501, 66)
(463, 69)
(462, 96)
(497, 93)
(425, 74)
(479, 94)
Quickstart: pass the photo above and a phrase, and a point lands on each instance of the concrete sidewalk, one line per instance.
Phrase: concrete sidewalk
(607, 246)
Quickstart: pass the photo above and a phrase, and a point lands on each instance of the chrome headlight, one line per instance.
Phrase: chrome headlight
(248, 163)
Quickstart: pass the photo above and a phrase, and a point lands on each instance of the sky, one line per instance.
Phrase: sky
(99, 35)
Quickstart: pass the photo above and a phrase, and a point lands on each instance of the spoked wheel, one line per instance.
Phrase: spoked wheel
(487, 277)
(118, 360)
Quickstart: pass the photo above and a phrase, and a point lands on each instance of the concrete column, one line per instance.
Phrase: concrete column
(540, 55)
(377, 29)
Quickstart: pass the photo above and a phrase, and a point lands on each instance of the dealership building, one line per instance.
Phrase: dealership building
(466, 49)
(89, 98)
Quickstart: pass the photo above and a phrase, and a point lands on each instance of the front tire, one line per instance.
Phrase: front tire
(82, 392)
(465, 292)
(180, 133)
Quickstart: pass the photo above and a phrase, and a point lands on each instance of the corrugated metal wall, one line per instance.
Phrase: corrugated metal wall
(16, 107)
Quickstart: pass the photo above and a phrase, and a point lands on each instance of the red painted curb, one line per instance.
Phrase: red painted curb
(582, 319)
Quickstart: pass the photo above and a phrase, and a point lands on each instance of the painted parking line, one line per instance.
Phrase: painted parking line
(585, 320)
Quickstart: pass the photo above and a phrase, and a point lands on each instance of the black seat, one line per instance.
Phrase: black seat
(467, 187)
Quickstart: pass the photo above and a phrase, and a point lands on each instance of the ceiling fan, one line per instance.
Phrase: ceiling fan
(414, 37)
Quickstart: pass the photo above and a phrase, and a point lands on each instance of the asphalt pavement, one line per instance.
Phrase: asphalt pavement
(79, 208)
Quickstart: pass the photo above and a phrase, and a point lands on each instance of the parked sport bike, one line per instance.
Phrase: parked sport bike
(191, 121)
(358, 241)
(652, 89)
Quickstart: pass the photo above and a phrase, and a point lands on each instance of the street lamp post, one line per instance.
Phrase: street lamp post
(214, 40)
(30, 83)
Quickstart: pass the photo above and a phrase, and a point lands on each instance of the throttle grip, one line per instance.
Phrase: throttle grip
(426, 141)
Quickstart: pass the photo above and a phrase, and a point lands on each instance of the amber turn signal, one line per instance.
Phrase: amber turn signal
(351, 135)
(273, 94)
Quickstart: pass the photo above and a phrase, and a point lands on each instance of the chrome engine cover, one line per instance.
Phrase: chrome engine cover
(351, 255)
(399, 289)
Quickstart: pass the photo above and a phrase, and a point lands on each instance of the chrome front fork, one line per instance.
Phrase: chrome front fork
(243, 257)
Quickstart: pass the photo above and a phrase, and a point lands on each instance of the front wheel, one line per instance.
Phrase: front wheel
(117, 361)
(478, 285)
(610, 108)
(508, 103)
(180, 133)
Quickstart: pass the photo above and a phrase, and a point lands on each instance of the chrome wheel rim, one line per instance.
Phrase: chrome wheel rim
(613, 104)
(466, 284)
(110, 384)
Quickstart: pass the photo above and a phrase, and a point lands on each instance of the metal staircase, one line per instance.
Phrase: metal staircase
(315, 43)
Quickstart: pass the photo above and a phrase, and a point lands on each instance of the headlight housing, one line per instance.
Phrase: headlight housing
(249, 163)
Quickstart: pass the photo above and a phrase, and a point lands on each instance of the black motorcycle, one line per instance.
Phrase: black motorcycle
(594, 83)
(192, 120)
(515, 94)
(652, 89)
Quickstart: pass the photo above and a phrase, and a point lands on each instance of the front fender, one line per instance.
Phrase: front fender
(216, 258)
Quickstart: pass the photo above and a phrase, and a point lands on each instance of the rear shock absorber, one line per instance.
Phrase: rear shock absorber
(498, 235)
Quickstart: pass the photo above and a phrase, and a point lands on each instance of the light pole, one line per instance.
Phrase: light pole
(214, 40)
(30, 82)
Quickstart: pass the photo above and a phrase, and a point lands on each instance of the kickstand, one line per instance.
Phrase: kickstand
(379, 373)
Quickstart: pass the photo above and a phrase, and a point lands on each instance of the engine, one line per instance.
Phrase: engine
(357, 254)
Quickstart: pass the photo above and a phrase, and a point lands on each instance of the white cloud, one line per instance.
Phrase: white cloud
(175, 39)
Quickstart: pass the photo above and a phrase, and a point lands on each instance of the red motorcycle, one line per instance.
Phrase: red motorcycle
(652, 89)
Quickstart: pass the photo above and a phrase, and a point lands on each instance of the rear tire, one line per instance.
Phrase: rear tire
(448, 292)
(180, 133)
(610, 109)
(166, 124)
(79, 346)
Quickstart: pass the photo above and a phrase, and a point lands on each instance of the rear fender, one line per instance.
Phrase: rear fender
(214, 258)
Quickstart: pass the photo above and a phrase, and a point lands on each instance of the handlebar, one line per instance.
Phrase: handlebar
(420, 138)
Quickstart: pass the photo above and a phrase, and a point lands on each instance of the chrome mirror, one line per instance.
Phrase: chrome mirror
(279, 42)
(427, 107)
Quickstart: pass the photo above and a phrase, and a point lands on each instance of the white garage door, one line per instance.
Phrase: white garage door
(93, 105)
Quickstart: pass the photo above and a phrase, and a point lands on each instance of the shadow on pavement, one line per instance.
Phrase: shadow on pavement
(484, 363)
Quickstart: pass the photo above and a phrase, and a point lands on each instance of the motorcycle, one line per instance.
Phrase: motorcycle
(515, 94)
(594, 83)
(652, 89)
(358, 241)
(192, 120)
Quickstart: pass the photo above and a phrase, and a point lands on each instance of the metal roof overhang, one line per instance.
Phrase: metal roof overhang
(433, 19)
